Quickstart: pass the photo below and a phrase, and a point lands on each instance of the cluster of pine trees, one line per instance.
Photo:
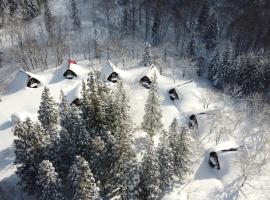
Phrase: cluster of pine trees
(87, 152)
(232, 69)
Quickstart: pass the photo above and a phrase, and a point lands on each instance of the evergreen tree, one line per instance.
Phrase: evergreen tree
(203, 18)
(165, 158)
(130, 191)
(149, 178)
(30, 9)
(152, 118)
(49, 183)
(222, 73)
(211, 33)
(64, 109)
(180, 144)
(75, 15)
(29, 152)
(147, 56)
(48, 18)
(98, 48)
(48, 113)
(213, 67)
(191, 49)
(82, 182)
(13, 6)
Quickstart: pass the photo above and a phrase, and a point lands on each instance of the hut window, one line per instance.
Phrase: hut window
(33, 83)
(76, 102)
(113, 77)
(69, 74)
(213, 160)
(145, 81)
(193, 122)
(173, 94)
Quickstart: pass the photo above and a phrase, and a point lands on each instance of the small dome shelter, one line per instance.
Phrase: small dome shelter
(73, 69)
(74, 96)
(25, 79)
(109, 72)
(146, 80)
(174, 92)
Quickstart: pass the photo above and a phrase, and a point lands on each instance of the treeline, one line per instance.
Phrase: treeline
(88, 152)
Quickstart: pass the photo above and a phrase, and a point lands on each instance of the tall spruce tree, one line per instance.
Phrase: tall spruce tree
(211, 33)
(152, 118)
(75, 15)
(48, 18)
(29, 152)
(222, 73)
(82, 182)
(123, 142)
(49, 183)
(147, 56)
(149, 178)
(180, 144)
(213, 66)
(48, 113)
(203, 18)
(165, 157)
(191, 49)
(30, 9)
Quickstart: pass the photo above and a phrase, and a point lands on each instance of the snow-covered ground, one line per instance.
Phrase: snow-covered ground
(204, 183)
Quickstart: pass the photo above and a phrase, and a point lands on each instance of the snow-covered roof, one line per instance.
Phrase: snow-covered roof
(107, 69)
(21, 79)
(151, 71)
(74, 94)
(77, 69)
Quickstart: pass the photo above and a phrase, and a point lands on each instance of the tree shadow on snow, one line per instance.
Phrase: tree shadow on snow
(5, 125)
(205, 171)
(7, 157)
(11, 190)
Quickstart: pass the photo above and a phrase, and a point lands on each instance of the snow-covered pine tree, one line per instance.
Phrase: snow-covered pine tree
(48, 18)
(149, 177)
(48, 113)
(152, 118)
(30, 9)
(82, 182)
(191, 48)
(211, 33)
(213, 66)
(64, 109)
(13, 6)
(222, 73)
(130, 191)
(203, 18)
(74, 140)
(148, 59)
(123, 149)
(98, 48)
(29, 152)
(180, 144)
(49, 182)
(75, 15)
(166, 159)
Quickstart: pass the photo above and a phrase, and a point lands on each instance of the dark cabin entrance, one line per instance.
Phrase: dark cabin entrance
(69, 74)
(213, 160)
(173, 94)
(113, 77)
(33, 83)
(76, 102)
(193, 121)
(145, 82)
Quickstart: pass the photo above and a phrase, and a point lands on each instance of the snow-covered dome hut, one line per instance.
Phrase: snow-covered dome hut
(109, 72)
(25, 79)
(175, 93)
(73, 69)
(147, 78)
(74, 96)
